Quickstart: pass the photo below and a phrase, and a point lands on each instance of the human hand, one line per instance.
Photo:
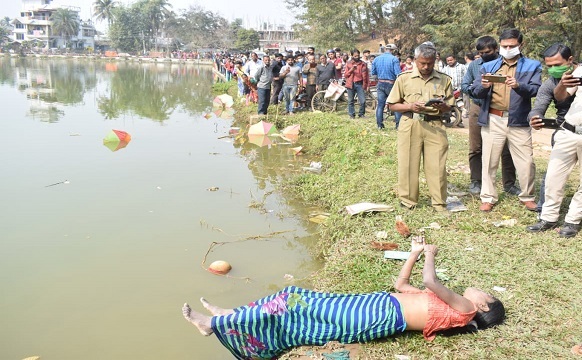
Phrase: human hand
(417, 107)
(536, 122)
(485, 83)
(430, 249)
(442, 107)
(511, 82)
(417, 244)
(570, 81)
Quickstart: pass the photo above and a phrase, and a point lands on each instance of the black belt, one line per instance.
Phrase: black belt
(424, 117)
(358, 82)
(576, 129)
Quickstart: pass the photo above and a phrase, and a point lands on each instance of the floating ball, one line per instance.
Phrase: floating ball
(220, 267)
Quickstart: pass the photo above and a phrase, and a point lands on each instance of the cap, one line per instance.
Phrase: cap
(391, 47)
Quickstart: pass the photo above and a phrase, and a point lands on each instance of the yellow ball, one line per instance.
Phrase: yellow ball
(220, 267)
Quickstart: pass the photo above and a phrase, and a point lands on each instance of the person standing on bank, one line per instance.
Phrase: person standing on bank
(264, 78)
(357, 82)
(422, 95)
(386, 67)
(487, 49)
(507, 98)
(325, 73)
(567, 145)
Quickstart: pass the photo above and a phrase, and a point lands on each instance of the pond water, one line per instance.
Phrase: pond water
(99, 249)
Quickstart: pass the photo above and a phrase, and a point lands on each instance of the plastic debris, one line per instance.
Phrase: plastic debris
(367, 207)
(455, 205)
(313, 167)
(505, 223)
(214, 188)
(382, 235)
(288, 277)
(499, 288)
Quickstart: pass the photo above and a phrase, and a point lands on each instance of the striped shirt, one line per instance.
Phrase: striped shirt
(457, 73)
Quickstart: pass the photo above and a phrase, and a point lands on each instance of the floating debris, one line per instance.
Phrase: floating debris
(220, 267)
(59, 183)
(214, 188)
(313, 167)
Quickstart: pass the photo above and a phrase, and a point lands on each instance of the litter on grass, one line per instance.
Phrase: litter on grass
(314, 167)
(499, 288)
(455, 205)
(367, 207)
(382, 235)
(505, 223)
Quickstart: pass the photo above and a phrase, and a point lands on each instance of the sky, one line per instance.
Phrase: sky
(251, 11)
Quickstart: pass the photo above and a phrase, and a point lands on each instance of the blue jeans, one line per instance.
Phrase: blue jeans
(264, 99)
(289, 92)
(357, 89)
(383, 90)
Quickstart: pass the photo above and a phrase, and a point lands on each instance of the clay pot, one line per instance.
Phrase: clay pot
(220, 267)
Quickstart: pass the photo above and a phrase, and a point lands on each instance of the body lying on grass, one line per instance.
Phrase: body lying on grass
(292, 317)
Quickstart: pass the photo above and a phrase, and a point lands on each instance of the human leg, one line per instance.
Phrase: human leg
(310, 92)
(508, 174)
(383, 89)
(275, 93)
(215, 310)
(435, 152)
(292, 94)
(263, 103)
(397, 117)
(351, 109)
(287, 96)
(520, 146)
(494, 138)
(202, 322)
(409, 151)
(563, 158)
(361, 99)
(475, 145)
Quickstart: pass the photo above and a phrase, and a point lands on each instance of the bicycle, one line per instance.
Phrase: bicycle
(337, 100)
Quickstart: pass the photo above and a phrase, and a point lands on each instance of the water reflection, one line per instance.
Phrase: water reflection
(152, 91)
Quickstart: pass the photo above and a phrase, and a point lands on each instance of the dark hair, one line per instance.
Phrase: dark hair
(486, 42)
(278, 55)
(470, 55)
(366, 51)
(556, 48)
(490, 318)
(451, 55)
(355, 51)
(312, 48)
(511, 34)
(338, 49)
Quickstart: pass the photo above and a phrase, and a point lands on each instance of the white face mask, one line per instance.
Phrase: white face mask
(509, 54)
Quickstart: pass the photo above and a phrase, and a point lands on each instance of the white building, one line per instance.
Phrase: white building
(34, 25)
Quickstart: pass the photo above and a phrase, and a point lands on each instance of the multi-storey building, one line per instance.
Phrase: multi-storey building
(34, 25)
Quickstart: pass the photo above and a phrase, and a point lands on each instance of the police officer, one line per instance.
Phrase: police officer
(422, 95)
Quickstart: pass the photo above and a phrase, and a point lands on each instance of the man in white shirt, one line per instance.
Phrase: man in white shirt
(252, 65)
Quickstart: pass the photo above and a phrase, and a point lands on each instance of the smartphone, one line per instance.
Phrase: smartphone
(495, 78)
(434, 101)
(550, 123)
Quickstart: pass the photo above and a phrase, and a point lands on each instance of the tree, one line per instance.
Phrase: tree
(198, 28)
(65, 22)
(4, 29)
(104, 10)
(247, 39)
(156, 13)
(128, 30)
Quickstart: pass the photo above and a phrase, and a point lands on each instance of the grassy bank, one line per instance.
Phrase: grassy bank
(539, 271)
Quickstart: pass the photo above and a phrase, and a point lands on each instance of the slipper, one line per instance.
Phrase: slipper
(577, 349)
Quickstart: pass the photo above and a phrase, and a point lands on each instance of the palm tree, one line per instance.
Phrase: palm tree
(157, 12)
(65, 22)
(104, 10)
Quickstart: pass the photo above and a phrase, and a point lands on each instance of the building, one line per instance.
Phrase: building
(34, 25)
(277, 38)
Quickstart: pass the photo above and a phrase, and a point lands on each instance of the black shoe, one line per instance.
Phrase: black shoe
(569, 230)
(542, 225)
(475, 187)
(512, 190)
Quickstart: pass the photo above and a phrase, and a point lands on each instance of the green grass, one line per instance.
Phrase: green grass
(539, 271)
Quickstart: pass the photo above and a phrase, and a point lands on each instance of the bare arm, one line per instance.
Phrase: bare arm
(432, 283)
(402, 283)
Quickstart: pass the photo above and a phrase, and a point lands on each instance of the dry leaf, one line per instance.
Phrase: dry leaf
(384, 245)
(402, 228)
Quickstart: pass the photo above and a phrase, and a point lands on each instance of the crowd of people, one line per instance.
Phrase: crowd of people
(500, 85)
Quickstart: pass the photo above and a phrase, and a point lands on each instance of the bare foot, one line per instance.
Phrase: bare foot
(215, 310)
(202, 322)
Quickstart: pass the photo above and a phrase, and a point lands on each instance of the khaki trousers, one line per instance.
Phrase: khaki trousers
(520, 146)
(426, 139)
(566, 152)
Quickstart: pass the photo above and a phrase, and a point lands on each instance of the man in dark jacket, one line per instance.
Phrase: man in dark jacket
(506, 103)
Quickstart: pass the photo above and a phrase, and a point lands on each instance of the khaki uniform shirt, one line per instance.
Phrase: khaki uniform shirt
(410, 87)
(500, 93)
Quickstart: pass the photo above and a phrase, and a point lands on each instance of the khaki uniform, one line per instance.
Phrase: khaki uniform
(422, 135)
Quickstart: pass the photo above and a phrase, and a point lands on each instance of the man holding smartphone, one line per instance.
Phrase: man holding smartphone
(503, 117)
(561, 88)
(421, 132)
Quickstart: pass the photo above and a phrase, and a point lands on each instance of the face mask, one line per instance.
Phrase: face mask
(557, 71)
(509, 54)
(488, 57)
